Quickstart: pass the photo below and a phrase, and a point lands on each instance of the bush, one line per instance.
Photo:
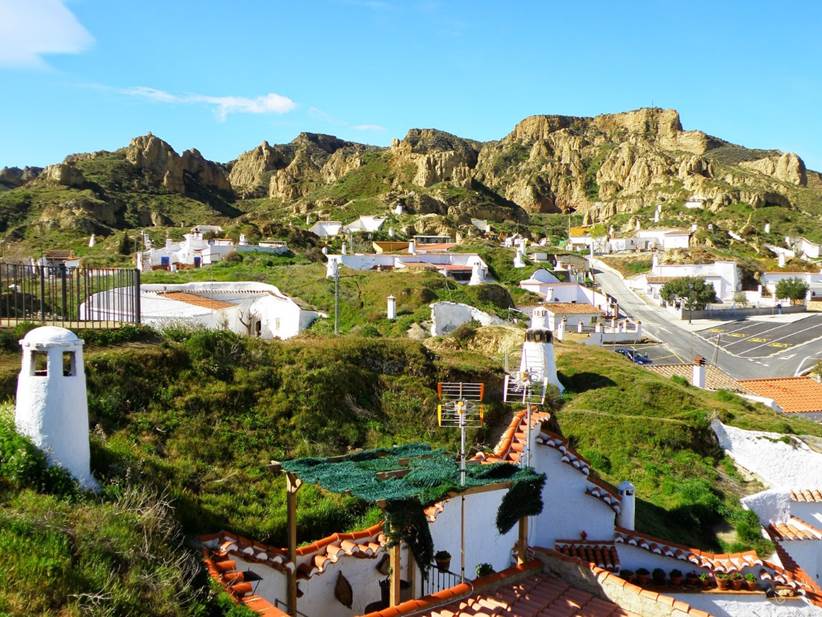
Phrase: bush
(679, 380)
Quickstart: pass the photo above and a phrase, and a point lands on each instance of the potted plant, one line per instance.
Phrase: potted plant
(627, 575)
(442, 559)
(705, 579)
(643, 577)
(737, 581)
(658, 576)
(484, 569)
(750, 581)
(676, 577)
(722, 580)
(691, 580)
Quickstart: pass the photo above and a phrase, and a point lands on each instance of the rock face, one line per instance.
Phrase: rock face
(249, 174)
(787, 167)
(12, 177)
(62, 173)
(172, 171)
(437, 156)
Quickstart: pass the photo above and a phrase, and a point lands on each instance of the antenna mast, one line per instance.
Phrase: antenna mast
(461, 406)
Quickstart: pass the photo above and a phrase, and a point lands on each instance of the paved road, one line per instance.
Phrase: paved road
(686, 345)
(762, 339)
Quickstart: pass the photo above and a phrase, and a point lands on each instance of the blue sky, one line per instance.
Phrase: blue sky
(87, 75)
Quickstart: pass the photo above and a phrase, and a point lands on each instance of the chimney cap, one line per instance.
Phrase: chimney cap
(699, 360)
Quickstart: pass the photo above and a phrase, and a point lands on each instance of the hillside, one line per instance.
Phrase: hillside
(183, 446)
(613, 168)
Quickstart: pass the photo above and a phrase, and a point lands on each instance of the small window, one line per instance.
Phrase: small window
(69, 364)
(39, 363)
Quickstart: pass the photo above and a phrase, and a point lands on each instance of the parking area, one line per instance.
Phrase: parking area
(760, 339)
(657, 352)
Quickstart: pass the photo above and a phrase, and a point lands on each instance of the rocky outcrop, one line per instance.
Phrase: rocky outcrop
(436, 156)
(67, 175)
(250, 173)
(314, 159)
(787, 167)
(172, 171)
(12, 177)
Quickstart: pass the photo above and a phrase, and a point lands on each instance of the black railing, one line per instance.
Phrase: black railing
(438, 579)
(70, 297)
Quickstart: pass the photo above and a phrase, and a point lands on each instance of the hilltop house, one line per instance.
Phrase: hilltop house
(462, 267)
(247, 308)
(326, 229)
(364, 224)
(196, 251)
(581, 238)
(553, 290)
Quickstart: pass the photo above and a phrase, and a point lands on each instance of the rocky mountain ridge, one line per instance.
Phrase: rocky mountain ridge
(598, 166)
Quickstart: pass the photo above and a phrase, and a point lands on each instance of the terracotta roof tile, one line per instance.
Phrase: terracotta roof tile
(572, 308)
(792, 394)
(715, 378)
(812, 495)
(602, 554)
(223, 572)
(538, 594)
(195, 300)
(794, 529)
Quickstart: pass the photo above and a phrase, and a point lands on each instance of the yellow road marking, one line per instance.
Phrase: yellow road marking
(758, 340)
(779, 345)
(736, 334)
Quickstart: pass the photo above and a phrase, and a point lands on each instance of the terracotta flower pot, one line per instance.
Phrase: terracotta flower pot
(722, 583)
(752, 585)
(443, 564)
(677, 581)
(737, 583)
(643, 580)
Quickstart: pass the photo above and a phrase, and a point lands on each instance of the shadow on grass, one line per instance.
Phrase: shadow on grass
(581, 382)
(692, 525)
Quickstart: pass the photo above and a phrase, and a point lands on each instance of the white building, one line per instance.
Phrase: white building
(364, 224)
(695, 203)
(196, 251)
(448, 316)
(664, 239)
(723, 275)
(462, 267)
(808, 249)
(813, 280)
(51, 407)
(326, 229)
(553, 290)
(247, 308)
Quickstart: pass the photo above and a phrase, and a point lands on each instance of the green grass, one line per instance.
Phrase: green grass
(636, 425)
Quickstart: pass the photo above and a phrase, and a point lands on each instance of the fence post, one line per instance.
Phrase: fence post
(42, 270)
(136, 292)
(63, 289)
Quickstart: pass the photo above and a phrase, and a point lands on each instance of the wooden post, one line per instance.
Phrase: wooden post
(522, 542)
(292, 485)
(412, 574)
(396, 575)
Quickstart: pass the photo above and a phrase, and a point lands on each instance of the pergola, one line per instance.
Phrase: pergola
(411, 477)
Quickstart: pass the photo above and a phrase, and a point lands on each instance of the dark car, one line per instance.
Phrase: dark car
(633, 355)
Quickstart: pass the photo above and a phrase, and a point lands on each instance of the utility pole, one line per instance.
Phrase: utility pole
(337, 299)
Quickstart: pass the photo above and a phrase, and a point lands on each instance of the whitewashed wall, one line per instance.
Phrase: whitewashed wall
(735, 605)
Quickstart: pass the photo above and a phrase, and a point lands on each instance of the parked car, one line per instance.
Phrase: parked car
(633, 355)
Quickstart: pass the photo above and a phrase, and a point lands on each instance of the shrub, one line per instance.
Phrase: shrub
(484, 569)
(678, 379)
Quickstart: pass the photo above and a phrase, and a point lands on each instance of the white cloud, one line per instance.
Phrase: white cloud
(270, 103)
(31, 29)
(368, 127)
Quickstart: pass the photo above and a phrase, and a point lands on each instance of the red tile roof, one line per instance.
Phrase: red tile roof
(811, 495)
(572, 308)
(715, 562)
(530, 592)
(601, 554)
(312, 558)
(223, 571)
(195, 300)
(512, 443)
(792, 394)
(794, 529)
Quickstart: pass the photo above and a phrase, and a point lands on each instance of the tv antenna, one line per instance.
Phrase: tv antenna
(460, 405)
(527, 387)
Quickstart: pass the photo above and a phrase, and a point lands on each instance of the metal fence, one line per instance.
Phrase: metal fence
(438, 579)
(70, 297)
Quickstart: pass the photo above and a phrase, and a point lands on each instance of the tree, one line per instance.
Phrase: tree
(126, 245)
(794, 289)
(692, 291)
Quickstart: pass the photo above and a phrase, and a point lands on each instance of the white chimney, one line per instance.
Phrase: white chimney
(781, 258)
(91, 241)
(51, 407)
(412, 247)
(538, 350)
(477, 274)
(331, 267)
(627, 507)
(767, 228)
(344, 249)
(698, 380)
(243, 241)
(390, 232)
(168, 242)
(519, 262)
(392, 308)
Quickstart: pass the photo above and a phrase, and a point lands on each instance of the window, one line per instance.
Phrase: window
(69, 364)
(39, 363)
(276, 324)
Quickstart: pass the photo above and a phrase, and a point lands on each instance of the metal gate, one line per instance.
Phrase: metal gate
(69, 297)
